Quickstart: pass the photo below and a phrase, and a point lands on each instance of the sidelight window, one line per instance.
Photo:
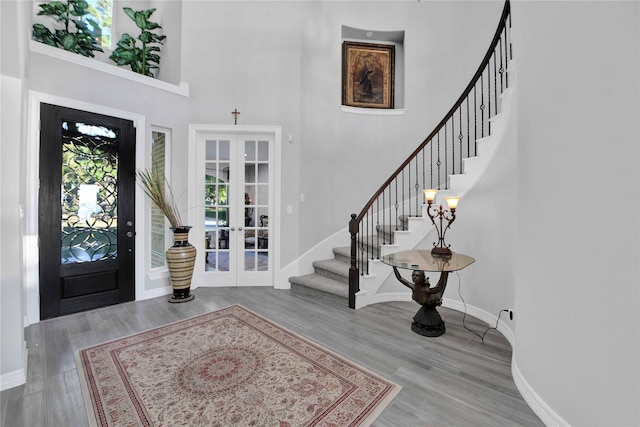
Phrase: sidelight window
(159, 147)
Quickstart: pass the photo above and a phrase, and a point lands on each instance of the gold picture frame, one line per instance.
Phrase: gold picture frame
(368, 75)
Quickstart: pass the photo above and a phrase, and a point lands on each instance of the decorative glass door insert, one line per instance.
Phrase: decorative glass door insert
(89, 193)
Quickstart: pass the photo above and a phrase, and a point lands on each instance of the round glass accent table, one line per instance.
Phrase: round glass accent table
(427, 321)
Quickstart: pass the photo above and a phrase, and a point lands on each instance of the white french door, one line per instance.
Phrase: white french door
(233, 198)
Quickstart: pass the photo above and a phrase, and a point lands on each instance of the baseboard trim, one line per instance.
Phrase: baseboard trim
(12, 379)
(380, 298)
(483, 315)
(548, 416)
(158, 292)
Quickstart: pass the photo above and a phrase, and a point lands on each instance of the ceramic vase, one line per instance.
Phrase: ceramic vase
(181, 258)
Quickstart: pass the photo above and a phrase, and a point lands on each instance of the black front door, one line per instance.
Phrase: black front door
(86, 211)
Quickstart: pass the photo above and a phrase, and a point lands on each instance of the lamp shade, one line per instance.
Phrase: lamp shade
(430, 194)
(452, 202)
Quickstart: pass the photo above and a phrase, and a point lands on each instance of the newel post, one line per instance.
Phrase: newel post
(354, 274)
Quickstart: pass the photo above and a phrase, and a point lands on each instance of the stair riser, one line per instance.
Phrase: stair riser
(345, 259)
(369, 251)
(385, 237)
(332, 275)
(316, 295)
(375, 239)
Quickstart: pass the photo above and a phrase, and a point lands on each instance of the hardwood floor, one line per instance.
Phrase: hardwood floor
(452, 380)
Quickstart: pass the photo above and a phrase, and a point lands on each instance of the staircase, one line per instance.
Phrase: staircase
(330, 279)
(451, 159)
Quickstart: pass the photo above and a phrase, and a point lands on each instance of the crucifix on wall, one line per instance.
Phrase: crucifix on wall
(235, 113)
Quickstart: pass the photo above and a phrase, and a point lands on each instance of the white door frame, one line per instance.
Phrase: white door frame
(194, 199)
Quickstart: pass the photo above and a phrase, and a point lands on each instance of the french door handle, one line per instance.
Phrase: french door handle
(239, 228)
(232, 229)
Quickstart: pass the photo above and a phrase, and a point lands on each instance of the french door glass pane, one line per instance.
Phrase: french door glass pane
(89, 193)
(217, 192)
(256, 179)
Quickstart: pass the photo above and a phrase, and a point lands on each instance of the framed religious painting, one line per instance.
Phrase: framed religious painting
(367, 75)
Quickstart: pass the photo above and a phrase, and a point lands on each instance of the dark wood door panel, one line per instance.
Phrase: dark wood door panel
(86, 210)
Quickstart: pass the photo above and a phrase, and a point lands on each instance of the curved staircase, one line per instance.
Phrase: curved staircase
(451, 159)
(330, 279)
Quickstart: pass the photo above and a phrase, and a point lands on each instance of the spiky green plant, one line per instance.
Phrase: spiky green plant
(142, 59)
(76, 36)
(156, 186)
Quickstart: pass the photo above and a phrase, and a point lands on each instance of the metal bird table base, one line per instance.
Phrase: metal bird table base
(427, 321)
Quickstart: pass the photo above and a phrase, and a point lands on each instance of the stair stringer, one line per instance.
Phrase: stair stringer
(380, 285)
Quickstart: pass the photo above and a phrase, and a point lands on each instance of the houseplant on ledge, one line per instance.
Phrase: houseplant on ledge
(142, 58)
(181, 256)
(78, 33)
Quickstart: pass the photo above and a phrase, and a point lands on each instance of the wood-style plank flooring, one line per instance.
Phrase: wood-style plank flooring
(452, 380)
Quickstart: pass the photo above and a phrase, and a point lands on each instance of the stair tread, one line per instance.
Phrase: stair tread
(321, 283)
(343, 250)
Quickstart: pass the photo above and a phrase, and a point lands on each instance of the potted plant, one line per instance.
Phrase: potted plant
(181, 256)
(141, 58)
(75, 36)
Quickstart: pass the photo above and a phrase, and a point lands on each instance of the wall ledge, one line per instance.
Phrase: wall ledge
(374, 111)
(94, 64)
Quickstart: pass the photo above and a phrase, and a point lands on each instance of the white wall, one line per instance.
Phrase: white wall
(279, 63)
(577, 289)
(247, 55)
(485, 228)
(12, 348)
(169, 15)
(12, 300)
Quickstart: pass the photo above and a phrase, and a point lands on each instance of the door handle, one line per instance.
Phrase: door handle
(232, 229)
(239, 228)
(129, 233)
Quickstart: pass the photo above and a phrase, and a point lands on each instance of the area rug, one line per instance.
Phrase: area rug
(230, 367)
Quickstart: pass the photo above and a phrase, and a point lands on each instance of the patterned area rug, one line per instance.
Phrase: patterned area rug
(230, 367)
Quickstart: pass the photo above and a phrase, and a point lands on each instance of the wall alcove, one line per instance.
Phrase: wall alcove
(394, 38)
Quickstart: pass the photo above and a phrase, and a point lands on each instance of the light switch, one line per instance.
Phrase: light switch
(289, 209)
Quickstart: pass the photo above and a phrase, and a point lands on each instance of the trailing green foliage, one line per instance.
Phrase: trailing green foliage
(71, 14)
(142, 59)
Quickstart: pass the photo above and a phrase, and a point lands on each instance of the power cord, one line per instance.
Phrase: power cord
(464, 315)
